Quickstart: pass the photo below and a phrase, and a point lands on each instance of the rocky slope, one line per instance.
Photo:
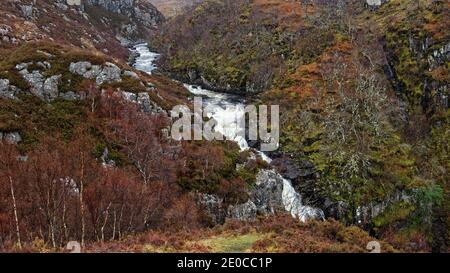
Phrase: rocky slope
(100, 25)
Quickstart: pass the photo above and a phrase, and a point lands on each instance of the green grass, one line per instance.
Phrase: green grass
(232, 244)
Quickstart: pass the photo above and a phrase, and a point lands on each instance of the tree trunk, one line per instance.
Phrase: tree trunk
(16, 218)
(83, 224)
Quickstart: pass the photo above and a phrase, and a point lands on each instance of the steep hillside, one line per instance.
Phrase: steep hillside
(363, 94)
(85, 152)
(100, 25)
(236, 46)
(172, 8)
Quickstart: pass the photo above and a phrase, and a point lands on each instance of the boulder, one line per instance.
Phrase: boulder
(12, 138)
(212, 207)
(80, 68)
(8, 91)
(147, 105)
(268, 192)
(50, 89)
(273, 193)
(128, 73)
(110, 73)
(70, 96)
(36, 81)
(246, 211)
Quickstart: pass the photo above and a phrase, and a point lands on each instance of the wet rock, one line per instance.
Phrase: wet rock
(268, 192)
(292, 170)
(439, 56)
(273, 193)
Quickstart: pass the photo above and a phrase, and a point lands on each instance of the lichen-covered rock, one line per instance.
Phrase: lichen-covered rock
(70, 96)
(147, 105)
(50, 88)
(110, 73)
(27, 11)
(246, 211)
(273, 193)
(268, 192)
(40, 86)
(36, 81)
(8, 91)
(107, 73)
(12, 138)
(143, 17)
(143, 100)
(212, 206)
(128, 73)
(80, 68)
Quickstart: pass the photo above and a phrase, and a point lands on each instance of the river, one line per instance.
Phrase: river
(225, 108)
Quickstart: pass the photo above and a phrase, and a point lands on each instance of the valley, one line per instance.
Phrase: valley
(87, 94)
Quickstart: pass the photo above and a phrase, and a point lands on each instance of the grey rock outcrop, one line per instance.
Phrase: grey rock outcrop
(110, 73)
(143, 100)
(268, 192)
(12, 138)
(50, 88)
(128, 73)
(143, 17)
(140, 10)
(85, 69)
(27, 11)
(375, 3)
(213, 207)
(246, 211)
(40, 86)
(107, 73)
(70, 96)
(271, 194)
(8, 91)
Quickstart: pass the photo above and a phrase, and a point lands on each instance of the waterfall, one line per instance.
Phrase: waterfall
(225, 109)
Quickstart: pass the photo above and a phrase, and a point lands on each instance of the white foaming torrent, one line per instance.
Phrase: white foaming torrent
(146, 59)
(225, 109)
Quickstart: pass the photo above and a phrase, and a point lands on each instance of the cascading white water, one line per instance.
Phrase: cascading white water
(226, 109)
(145, 61)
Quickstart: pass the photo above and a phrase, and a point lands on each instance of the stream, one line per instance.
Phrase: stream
(225, 108)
